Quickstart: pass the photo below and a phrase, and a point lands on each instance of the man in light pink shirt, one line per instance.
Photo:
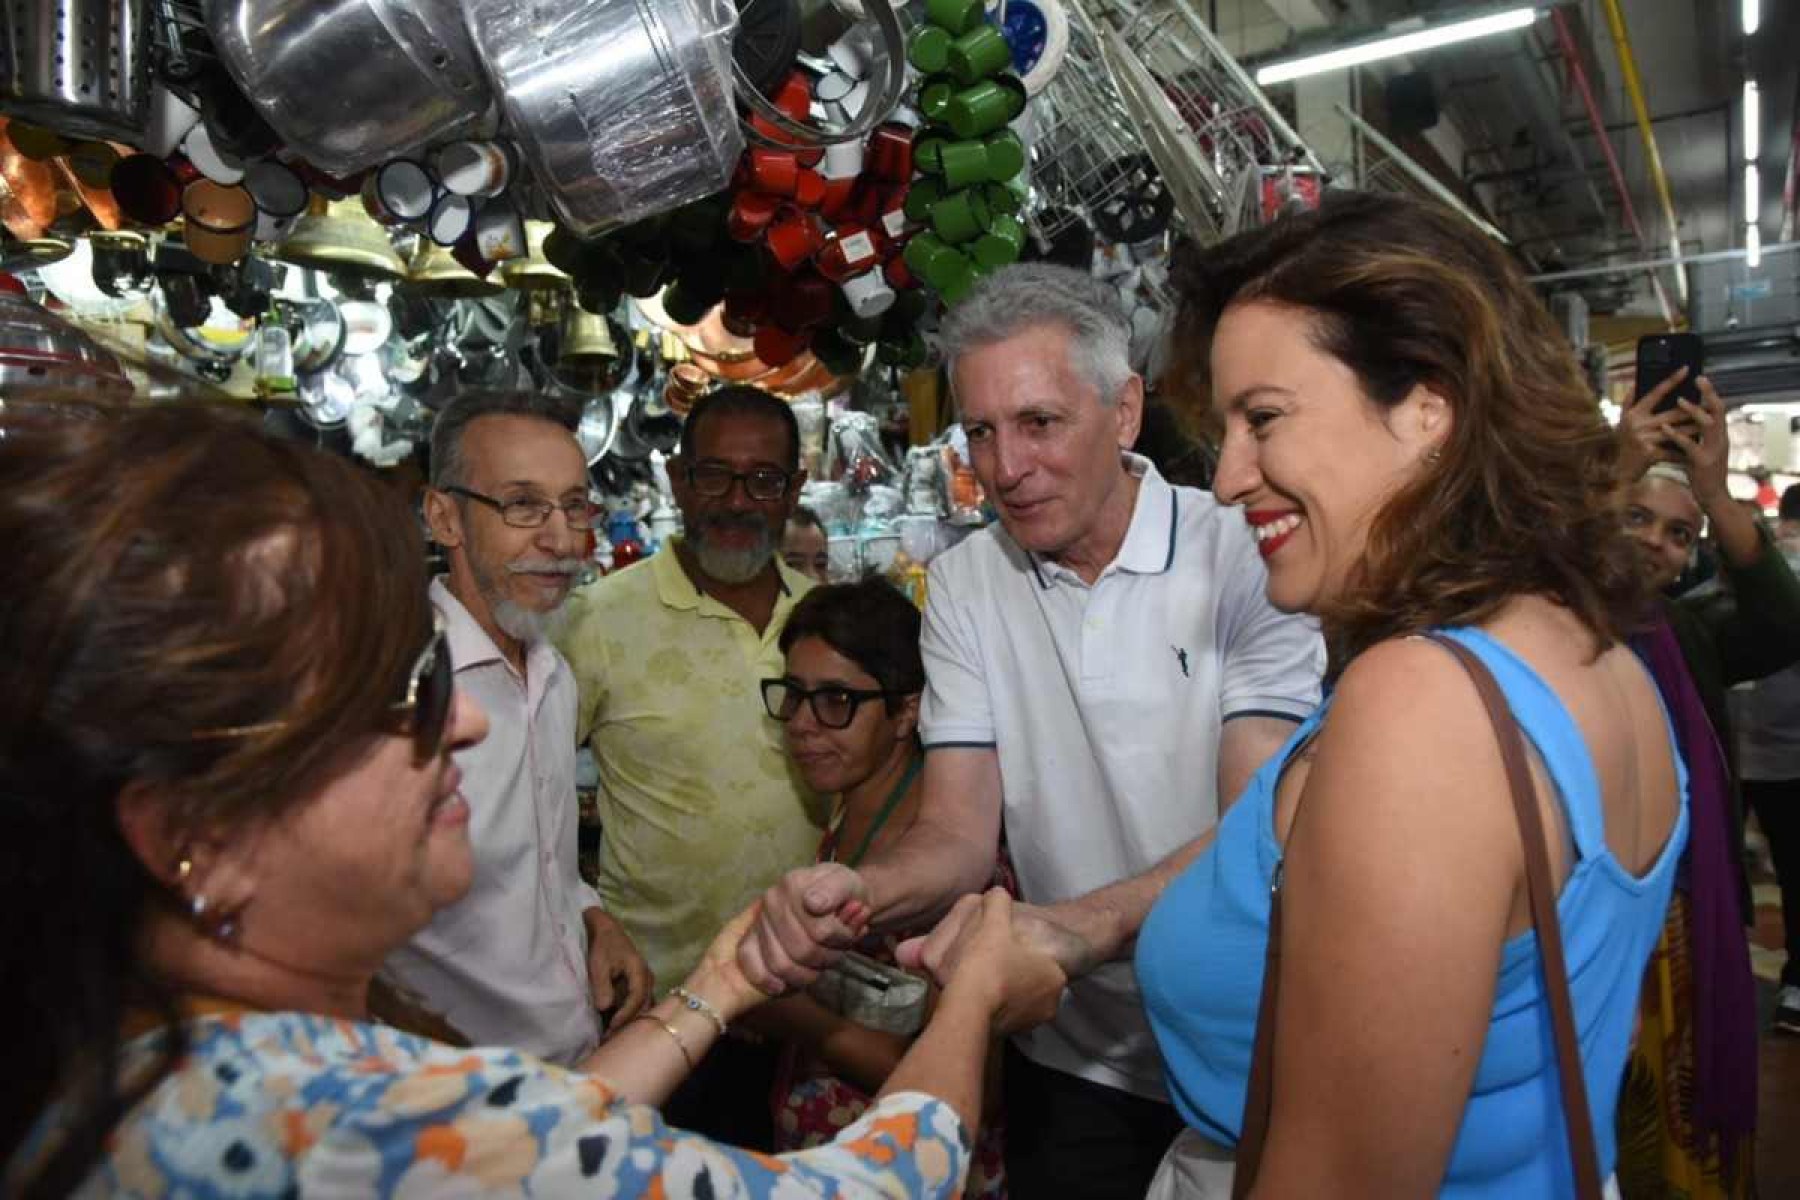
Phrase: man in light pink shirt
(528, 958)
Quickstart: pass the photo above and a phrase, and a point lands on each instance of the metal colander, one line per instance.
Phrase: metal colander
(79, 67)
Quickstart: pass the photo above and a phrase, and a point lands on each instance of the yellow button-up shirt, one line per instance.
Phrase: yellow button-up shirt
(700, 808)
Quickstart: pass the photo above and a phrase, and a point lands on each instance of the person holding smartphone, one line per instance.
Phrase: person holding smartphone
(1697, 1140)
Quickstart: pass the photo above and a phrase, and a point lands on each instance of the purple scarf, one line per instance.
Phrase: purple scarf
(1724, 1017)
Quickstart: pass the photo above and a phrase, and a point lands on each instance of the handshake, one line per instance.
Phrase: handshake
(1016, 958)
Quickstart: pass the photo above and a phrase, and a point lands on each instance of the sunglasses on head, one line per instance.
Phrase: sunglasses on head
(422, 712)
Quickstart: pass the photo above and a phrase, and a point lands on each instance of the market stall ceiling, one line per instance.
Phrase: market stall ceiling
(1529, 153)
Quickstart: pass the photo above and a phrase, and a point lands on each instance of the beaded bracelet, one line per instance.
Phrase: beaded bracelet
(671, 1031)
(698, 1004)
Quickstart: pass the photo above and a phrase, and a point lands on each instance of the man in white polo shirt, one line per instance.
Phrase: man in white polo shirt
(1104, 670)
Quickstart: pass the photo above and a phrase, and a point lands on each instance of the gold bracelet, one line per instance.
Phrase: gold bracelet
(671, 1031)
(699, 1005)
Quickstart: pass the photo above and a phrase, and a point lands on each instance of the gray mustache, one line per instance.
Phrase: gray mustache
(554, 566)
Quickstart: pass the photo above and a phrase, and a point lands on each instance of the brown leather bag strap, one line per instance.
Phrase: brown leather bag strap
(1540, 888)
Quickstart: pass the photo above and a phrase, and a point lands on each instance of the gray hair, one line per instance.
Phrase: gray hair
(1015, 298)
(448, 466)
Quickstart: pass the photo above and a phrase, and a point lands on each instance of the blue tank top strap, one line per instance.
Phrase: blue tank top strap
(1552, 731)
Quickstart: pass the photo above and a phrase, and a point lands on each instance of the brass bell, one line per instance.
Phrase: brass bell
(341, 236)
(534, 272)
(435, 272)
(586, 340)
(34, 252)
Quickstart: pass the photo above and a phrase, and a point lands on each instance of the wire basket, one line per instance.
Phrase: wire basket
(79, 67)
(1151, 120)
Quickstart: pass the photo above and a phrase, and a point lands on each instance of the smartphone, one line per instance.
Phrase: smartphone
(1660, 355)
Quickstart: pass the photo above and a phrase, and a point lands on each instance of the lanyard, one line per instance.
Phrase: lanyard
(887, 810)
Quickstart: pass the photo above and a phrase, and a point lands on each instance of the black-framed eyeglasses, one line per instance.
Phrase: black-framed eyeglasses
(422, 712)
(526, 513)
(833, 705)
(713, 480)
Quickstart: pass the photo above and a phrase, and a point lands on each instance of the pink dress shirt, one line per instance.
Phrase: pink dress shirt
(507, 964)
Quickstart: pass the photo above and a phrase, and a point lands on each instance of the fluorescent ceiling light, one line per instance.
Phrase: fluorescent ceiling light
(1392, 45)
(1752, 192)
(1752, 15)
(1752, 247)
(1752, 121)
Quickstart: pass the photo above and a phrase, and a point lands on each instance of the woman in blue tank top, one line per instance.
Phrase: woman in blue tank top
(1415, 449)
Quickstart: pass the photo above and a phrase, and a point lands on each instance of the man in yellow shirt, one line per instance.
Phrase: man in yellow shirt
(700, 809)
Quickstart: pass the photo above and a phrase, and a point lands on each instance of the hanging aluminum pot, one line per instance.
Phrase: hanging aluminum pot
(350, 83)
(620, 108)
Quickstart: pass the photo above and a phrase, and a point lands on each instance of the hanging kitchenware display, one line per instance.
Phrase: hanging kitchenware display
(217, 221)
(475, 168)
(147, 189)
(28, 204)
(871, 97)
(199, 327)
(318, 333)
(767, 40)
(619, 108)
(340, 237)
(435, 271)
(326, 399)
(79, 67)
(348, 84)
(280, 196)
(367, 327)
(42, 354)
(971, 190)
(535, 272)
(598, 426)
(398, 192)
(1037, 32)
(121, 262)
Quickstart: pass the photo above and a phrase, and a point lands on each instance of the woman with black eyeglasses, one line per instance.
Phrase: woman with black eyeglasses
(227, 794)
(849, 704)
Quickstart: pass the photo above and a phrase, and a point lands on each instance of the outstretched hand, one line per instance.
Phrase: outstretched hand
(807, 921)
(989, 941)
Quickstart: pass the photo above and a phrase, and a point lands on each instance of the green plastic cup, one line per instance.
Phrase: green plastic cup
(979, 53)
(929, 49)
(963, 164)
(921, 194)
(974, 111)
(955, 16)
(960, 217)
(1001, 243)
(937, 96)
(1005, 155)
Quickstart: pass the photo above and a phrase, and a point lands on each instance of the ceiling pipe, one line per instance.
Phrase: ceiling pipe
(1791, 184)
(1578, 74)
(1647, 264)
(1615, 20)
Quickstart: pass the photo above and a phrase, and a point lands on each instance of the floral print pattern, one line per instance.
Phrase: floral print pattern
(281, 1104)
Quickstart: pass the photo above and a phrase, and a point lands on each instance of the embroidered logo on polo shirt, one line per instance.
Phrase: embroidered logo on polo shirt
(1181, 658)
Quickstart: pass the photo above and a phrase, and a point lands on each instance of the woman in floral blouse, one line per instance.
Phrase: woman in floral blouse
(227, 792)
